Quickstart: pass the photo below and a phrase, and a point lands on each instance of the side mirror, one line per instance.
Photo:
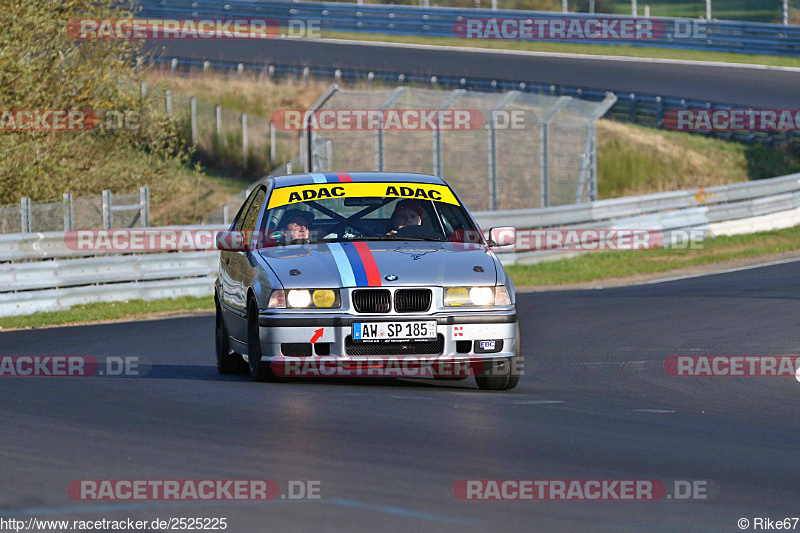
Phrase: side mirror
(233, 241)
(503, 236)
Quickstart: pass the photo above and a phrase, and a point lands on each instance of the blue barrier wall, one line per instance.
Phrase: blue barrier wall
(688, 34)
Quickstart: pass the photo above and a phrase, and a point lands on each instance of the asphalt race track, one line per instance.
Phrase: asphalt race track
(763, 88)
(596, 403)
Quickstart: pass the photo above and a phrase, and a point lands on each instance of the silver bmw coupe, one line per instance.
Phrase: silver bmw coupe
(364, 274)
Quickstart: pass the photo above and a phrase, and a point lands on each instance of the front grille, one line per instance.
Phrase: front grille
(372, 301)
(394, 348)
(412, 300)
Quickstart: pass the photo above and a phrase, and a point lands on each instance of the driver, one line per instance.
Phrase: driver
(406, 213)
(297, 225)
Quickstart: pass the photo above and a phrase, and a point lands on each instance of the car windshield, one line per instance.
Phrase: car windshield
(366, 211)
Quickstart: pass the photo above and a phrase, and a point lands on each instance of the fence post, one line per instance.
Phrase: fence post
(273, 150)
(107, 209)
(564, 6)
(492, 163)
(144, 90)
(225, 216)
(144, 206)
(174, 64)
(379, 144)
(218, 116)
(193, 107)
(633, 8)
(169, 101)
(244, 140)
(708, 9)
(25, 214)
(785, 12)
(66, 199)
(493, 185)
(437, 133)
(544, 148)
(591, 7)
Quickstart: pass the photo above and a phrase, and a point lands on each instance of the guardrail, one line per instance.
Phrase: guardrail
(690, 34)
(636, 108)
(55, 285)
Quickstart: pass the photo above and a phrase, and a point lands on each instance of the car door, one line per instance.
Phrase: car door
(240, 267)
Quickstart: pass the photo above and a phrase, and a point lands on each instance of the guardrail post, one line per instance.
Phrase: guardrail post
(785, 17)
(169, 102)
(218, 116)
(193, 108)
(25, 214)
(273, 149)
(244, 140)
(632, 108)
(591, 7)
(564, 6)
(143, 90)
(174, 64)
(708, 9)
(106, 209)
(633, 8)
(66, 199)
(225, 217)
(144, 206)
(659, 112)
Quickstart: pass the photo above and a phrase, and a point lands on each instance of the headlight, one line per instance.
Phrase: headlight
(305, 299)
(476, 296)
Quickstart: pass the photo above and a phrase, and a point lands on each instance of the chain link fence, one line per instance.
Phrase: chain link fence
(109, 210)
(527, 150)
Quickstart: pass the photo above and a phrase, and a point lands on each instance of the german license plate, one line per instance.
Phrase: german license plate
(394, 331)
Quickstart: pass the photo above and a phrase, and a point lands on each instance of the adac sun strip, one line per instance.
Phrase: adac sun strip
(322, 191)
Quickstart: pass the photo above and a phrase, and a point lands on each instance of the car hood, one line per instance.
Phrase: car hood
(414, 263)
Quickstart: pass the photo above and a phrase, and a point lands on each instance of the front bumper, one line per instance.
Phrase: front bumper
(456, 331)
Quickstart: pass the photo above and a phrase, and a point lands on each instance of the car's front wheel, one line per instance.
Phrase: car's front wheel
(259, 370)
(503, 375)
(227, 362)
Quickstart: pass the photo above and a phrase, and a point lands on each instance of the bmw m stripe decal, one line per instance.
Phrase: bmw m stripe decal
(370, 268)
(356, 264)
(342, 265)
(331, 177)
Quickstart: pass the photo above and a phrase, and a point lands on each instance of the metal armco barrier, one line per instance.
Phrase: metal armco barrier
(637, 108)
(56, 285)
(688, 34)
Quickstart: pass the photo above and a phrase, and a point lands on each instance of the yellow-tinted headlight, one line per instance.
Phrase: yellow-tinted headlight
(456, 296)
(324, 298)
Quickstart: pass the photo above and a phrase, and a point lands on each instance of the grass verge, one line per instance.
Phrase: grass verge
(622, 264)
(573, 48)
(102, 312)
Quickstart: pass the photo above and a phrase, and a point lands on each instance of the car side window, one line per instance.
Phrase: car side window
(240, 216)
(249, 223)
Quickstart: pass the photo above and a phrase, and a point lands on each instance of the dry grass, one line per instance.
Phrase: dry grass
(248, 93)
(637, 160)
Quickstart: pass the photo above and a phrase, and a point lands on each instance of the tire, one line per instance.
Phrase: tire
(259, 371)
(227, 362)
(503, 375)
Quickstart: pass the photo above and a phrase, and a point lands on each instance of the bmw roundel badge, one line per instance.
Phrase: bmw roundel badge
(390, 277)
